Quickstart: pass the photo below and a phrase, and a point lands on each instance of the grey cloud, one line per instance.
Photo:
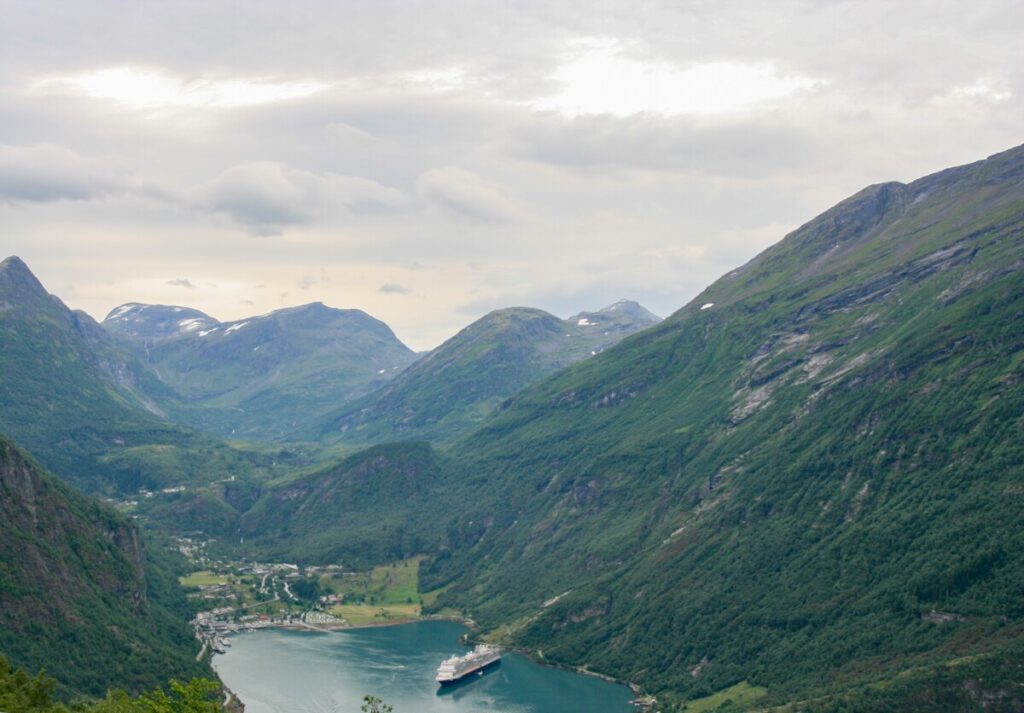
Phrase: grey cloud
(463, 194)
(746, 147)
(893, 105)
(181, 282)
(266, 197)
(45, 172)
(393, 289)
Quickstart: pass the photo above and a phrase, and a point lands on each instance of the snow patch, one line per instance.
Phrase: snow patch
(190, 325)
(382, 371)
(707, 305)
(208, 331)
(120, 311)
(584, 322)
(233, 327)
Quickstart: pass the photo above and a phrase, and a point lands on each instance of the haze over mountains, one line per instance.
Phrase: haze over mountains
(806, 482)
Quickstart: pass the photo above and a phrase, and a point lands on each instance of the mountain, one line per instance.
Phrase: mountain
(263, 378)
(457, 385)
(87, 407)
(807, 481)
(79, 592)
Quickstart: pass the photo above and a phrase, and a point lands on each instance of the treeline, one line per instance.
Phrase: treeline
(22, 693)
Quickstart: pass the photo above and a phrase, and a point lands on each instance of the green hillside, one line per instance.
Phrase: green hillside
(809, 478)
(374, 506)
(79, 593)
(455, 387)
(274, 377)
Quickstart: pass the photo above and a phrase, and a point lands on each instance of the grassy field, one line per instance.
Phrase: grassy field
(202, 579)
(362, 614)
(387, 592)
(739, 695)
(386, 585)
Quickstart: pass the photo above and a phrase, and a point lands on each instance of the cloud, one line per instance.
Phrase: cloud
(266, 197)
(465, 195)
(45, 172)
(156, 89)
(393, 289)
(600, 78)
(503, 147)
(181, 282)
(735, 147)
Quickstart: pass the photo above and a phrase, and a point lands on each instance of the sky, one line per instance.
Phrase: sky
(428, 162)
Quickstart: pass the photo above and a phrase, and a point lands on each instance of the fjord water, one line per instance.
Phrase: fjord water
(278, 671)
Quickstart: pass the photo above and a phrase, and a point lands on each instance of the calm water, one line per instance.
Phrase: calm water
(277, 671)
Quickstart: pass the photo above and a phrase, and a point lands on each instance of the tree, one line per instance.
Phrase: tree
(372, 704)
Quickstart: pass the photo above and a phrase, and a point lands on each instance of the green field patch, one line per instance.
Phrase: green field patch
(203, 578)
(363, 614)
(395, 584)
(738, 696)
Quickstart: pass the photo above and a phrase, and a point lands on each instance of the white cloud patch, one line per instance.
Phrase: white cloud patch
(181, 282)
(266, 197)
(465, 195)
(157, 89)
(393, 289)
(599, 77)
(45, 172)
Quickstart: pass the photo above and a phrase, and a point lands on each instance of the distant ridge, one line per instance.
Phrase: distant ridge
(454, 387)
(269, 377)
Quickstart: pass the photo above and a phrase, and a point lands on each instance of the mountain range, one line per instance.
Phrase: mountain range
(459, 384)
(272, 377)
(804, 486)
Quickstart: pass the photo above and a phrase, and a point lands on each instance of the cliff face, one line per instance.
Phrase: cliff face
(75, 588)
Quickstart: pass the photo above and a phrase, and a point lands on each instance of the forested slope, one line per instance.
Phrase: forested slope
(810, 477)
(80, 594)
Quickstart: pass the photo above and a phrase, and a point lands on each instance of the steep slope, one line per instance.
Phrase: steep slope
(374, 506)
(267, 378)
(84, 406)
(457, 385)
(79, 595)
(807, 479)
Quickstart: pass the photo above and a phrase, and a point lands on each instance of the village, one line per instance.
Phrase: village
(232, 596)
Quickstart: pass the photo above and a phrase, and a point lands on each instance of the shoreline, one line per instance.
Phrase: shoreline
(338, 626)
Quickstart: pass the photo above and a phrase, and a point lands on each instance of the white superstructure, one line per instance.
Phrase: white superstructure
(458, 667)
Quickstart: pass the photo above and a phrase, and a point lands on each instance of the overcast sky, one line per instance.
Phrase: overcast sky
(430, 161)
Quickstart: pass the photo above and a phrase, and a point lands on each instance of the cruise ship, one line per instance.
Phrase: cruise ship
(457, 668)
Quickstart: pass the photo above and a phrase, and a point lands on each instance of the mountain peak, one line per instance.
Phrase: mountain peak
(623, 314)
(16, 278)
(140, 320)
